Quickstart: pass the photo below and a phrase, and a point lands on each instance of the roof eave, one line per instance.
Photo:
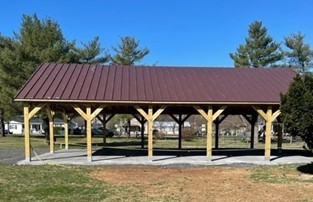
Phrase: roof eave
(147, 102)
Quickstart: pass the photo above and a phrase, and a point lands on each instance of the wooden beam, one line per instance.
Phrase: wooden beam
(202, 112)
(27, 133)
(137, 117)
(260, 112)
(275, 115)
(142, 112)
(65, 119)
(158, 112)
(209, 132)
(186, 117)
(150, 131)
(268, 131)
(174, 118)
(50, 114)
(218, 112)
(34, 111)
(81, 112)
(89, 142)
(96, 112)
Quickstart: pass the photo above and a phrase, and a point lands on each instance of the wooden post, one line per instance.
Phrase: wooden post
(279, 138)
(217, 124)
(27, 133)
(50, 114)
(209, 117)
(252, 120)
(143, 121)
(88, 132)
(180, 121)
(209, 132)
(150, 117)
(104, 120)
(65, 119)
(88, 116)
(269, 117)
(28, 114)
(150, 131)
(268, 133)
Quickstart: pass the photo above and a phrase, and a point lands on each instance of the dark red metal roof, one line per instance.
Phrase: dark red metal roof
(115, 83)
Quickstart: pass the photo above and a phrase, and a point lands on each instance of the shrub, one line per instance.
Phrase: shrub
(158, 135)
(188, 134)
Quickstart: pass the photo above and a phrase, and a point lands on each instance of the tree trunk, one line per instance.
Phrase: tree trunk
(2, 133)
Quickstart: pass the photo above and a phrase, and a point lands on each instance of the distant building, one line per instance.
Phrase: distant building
(16, 126)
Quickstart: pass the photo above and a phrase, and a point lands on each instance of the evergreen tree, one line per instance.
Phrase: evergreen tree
(297, 109)
(128, 52)
(90, 51)
(37, 41)
(300, 55)
(259, 51)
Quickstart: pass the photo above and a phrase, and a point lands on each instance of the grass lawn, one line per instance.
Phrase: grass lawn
(13, 142)
(147, 183)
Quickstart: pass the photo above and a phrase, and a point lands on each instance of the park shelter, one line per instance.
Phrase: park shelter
(148, 91)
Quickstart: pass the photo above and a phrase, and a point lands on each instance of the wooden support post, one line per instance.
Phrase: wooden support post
(269, 117)
(28, 114)
(27, 133)
(252, 120)
(209, 117)
(279, 138)
(50, 114)
(150, 131)
(150, 117)
(104, 122)
(65, 119)
(88, 116)
(217, 124)
(180, 123)
(89, 135)
(143, 121)
(268, 133)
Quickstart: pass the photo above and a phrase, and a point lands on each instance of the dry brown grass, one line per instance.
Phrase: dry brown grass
(206, 183)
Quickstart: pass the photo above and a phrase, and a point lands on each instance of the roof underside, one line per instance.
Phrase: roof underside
(140, 84)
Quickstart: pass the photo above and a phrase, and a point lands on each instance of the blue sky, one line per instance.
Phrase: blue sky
(177, 32)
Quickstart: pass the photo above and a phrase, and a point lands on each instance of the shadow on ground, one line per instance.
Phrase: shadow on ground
(307, 169)
(229, 152)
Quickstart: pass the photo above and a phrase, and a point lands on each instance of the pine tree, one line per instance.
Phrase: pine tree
(297, 109)
(90, 51)
(37, 41)
(300, 55)
(259, 51)
(128, 52)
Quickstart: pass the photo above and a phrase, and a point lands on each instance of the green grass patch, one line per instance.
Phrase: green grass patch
(282, 174)
(65, 183)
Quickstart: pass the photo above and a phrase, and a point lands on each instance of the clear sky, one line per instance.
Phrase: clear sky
(177, 32)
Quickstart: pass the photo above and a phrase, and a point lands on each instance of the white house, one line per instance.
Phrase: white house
(16, 126)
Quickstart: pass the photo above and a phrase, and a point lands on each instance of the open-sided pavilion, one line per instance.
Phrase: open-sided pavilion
(146, 92)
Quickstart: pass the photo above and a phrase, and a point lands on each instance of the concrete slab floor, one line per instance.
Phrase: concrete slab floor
(79, 157)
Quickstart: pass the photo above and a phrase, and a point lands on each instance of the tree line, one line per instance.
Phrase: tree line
(260, 50)
(40, 41)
